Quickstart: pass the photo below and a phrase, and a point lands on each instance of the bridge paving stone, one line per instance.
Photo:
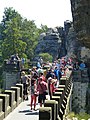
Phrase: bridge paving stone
(23, 112)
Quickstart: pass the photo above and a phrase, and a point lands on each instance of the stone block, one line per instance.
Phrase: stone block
(12, 102)
(1, 105)
(64, 102)
(52, 104)
(63, 107)
(63, 81)
(61, 86)
(56, 110)
(1, 110)
(66, 93)
(21, 90)
(5, 105)
(77, 73)
(1, 115)
(61, 114)
(60, 90)
(57, 94)
(65, 98)
(57, 98)
(45, 113)
(68, 90)
(17, 94)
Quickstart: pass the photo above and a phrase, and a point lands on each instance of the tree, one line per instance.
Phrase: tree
(30, 35)
(46, 57)
(11, 34)
(18, 35)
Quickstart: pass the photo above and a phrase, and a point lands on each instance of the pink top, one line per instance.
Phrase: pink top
(42, 86)
(52, 88)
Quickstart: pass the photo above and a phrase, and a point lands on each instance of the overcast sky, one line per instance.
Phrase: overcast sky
(47, 12)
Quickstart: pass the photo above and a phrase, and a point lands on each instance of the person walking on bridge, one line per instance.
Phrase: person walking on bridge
(42, 87)
(33, 92)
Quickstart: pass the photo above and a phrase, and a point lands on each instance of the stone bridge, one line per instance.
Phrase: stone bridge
(59, 105)
(53, 109)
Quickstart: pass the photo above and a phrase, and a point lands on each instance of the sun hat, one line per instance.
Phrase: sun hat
(50, 78)
(23, 72)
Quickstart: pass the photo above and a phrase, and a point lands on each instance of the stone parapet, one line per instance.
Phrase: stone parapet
(45, 113)
(57, 98)
(6, 107)
(1, 110)
(17, 94)
(21, 90)
(52, 104)
(61, 97)
(12, 102)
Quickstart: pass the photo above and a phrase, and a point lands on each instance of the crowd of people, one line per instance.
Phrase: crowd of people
(41, 82)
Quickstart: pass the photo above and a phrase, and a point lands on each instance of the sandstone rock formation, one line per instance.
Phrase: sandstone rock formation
(50, 42)
(81, 20)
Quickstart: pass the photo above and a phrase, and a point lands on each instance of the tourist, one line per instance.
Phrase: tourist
(52, 87)
(49, 81)
(24, 81)
(34, 93)
(76, 66)
(38, 65)
(49, 73)
(82, 66)
(56, 72)
(42, 87)
(43, 77)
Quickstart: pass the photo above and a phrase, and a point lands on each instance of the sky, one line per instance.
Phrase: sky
(52, 13)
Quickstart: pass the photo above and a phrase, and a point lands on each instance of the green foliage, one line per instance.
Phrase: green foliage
(46, 57)
(18, 35)
(29, 35)
(11, 34)
(79, 116)
(83, 116)
(71, 115)
(44, 28)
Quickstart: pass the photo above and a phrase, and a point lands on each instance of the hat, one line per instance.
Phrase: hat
(34, 67)
(50, 78)
(23, 72)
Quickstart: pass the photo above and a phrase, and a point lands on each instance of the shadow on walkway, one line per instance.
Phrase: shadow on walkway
(30, 112)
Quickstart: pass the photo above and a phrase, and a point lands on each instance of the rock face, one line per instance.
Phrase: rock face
(58, 41)
(81, 90)
(80, 100)
(81, 20)
(72, 44)
(61, 41)
(74, 47)
(50, 42)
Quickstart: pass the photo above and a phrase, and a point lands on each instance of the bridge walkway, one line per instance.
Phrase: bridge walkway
(23, 112)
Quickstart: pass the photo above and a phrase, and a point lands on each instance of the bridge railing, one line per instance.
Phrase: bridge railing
(10, 99)
(54, 109)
